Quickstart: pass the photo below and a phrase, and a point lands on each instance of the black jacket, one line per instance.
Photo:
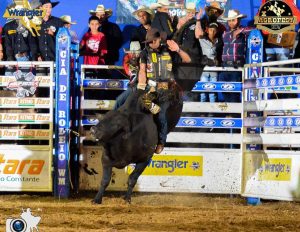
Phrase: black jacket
(19, 41)
(163, 22)
(114, 41)
(47, 42)
(139, 34)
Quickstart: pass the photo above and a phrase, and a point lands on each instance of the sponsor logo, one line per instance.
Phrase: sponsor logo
(281, 81)
(264, 82)
(208, 122)
(290, 80)
(209, 86)
(227, 123)
(289, 121)
(297, 121)
(280, 121)
(189, 122)
(255, 41)
(275, 170)
(95, 83)
(228, 86)
(298, 79)
(275, 17)
(273, 82)
(114, 84)
(20, 167)
(25, 13)
(25, 84)
(62, 38)
(172, 165)
(271, 121)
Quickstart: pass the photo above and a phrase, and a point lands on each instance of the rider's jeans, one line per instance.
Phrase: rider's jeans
(163, 123)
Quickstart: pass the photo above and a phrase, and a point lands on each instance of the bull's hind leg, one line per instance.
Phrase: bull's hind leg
(132, 179)
(107, 171)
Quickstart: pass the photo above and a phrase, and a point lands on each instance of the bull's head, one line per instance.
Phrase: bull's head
(113, 124)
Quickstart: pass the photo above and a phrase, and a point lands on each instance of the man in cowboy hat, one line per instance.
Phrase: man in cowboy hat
(67, 24)
(144, 15)
(112, 33)
(186, 76)
(49, 29)
(162, 21)
(156, 67)
(212, 12)
(234, 51)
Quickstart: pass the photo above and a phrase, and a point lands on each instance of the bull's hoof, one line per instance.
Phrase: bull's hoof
(96, 201)
(127, 199)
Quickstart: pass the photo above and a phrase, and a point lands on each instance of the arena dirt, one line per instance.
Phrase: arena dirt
(153, 212)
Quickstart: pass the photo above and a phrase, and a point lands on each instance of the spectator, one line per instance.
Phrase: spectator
(211, 47)
(112, 33)
(234, 51)
(144, 15)
(67, 24)
(49, 29)
(93, 44)
(187, 75)
(212, 14)
(131, 67)
(20, 44)
(162, 21)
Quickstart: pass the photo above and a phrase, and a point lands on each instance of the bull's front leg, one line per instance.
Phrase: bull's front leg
(132, 179)
(107, 171)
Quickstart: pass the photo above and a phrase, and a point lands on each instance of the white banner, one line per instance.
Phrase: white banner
(25, 168)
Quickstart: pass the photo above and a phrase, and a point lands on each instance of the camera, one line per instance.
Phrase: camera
(16, 225)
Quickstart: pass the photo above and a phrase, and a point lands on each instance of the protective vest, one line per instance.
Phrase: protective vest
(159, 65)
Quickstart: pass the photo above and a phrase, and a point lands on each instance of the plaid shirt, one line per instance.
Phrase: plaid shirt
(234, 50)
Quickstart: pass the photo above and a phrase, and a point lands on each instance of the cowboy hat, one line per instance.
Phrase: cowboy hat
(160, 3)
(48, 1)
(153, 34)
(190, 6)
(101, 9)
(215, 6)
(67, 19)
(145, 9)
(134, 47)
(234, 14)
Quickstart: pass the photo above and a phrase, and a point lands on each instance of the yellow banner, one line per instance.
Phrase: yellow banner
(171, 165)
(275, 170)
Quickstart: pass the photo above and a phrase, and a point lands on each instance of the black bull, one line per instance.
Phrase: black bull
(129, 135)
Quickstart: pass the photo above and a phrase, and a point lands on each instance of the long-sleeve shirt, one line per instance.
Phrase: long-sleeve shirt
(19, 41)
(46, 41)
(234, 49)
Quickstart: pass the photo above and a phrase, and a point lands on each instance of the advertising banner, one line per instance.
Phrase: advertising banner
(62, 114)
(25, 169)
(272, 175)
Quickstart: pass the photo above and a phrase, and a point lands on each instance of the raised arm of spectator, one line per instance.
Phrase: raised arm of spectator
(198, 29)
(174, 47)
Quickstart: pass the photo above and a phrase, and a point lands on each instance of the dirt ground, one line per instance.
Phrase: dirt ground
(153, 212)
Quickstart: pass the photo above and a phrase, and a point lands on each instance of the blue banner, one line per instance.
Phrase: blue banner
(62, 114)
(202, 122)
(218, 87)
(277, 81)
(286, 121)
(108, 84)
